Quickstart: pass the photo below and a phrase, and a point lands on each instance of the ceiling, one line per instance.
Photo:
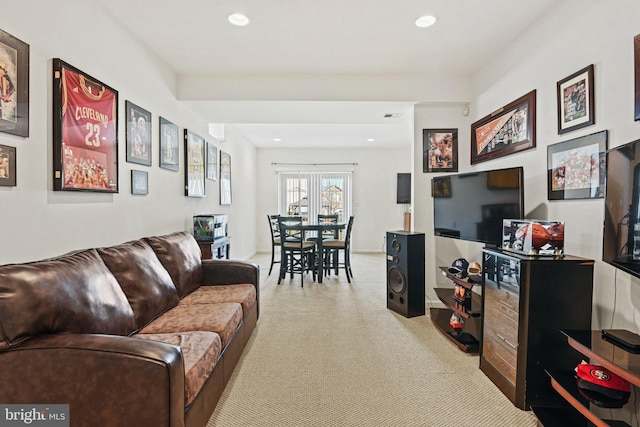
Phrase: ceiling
(323, 39)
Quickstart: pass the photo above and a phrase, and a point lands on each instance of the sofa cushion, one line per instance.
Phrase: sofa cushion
(200, 351)
(245, 294)
(223, 318)
(180, 254)
(144, 280)
(75, 293)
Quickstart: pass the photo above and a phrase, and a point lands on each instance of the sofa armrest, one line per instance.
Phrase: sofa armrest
(107, 380)
(229, 272)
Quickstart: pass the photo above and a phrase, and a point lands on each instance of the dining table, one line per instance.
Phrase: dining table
(319, 228)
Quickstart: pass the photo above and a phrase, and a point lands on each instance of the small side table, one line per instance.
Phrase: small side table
(217, 249)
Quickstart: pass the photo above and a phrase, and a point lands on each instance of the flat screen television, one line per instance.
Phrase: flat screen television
(621, 234)
(471, 206)
(403, 193)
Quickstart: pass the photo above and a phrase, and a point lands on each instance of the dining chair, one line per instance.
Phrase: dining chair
(297, 255)
(326, 234)
(275, 239)
(335, 246)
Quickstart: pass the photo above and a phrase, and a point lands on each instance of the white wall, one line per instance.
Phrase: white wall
(37, 222)
(573, 35)
(374, 190)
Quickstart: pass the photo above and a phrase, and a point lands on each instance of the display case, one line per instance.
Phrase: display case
(212, 233)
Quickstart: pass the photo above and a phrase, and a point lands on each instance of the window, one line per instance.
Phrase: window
(311, 193)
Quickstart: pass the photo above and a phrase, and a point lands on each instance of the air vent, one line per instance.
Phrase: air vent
(392, 115)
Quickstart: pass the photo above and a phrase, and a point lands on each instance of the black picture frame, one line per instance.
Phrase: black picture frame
(508, 130)
(14, 85)
(441, 187)
(8, 171)
(169, 145)
(225, 178)
(576, 169)
(139, 182)
(138, 134)
(576, 100)
(636, 72)
(85, 132)
(439, 150)
(212, 161)
(194, 168)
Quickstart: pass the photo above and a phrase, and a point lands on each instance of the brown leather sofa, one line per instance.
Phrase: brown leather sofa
(140, 334)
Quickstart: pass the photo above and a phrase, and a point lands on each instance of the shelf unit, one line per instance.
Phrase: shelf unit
(590, 344)
(525, 300)
(469, 339)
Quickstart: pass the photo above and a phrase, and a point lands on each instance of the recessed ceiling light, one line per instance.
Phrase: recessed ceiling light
(276, 140)
(371, 140)
(425, 21)
(238, 19)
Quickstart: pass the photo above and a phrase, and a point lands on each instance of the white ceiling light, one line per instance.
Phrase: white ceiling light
(425, 21)
(276, 140)
(371, 140)
(238, 19)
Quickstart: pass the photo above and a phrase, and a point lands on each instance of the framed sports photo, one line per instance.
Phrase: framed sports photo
(576, 169)
(194, 164)
(14, 85)
(139, 182)
(576, 101)
(636, 72)
(169, 141)
(439, 150)
(508, 130)
(85, 131)
(225, 178)
(138, 134)
(212, 161)
(7, 166)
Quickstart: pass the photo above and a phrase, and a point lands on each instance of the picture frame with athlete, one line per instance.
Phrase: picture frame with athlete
(138, 134)
(85, 131)
(14, 85)
(576, 101)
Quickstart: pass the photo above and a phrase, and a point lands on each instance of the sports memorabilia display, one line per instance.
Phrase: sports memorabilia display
(85, 131)
(194, 164)
(532, 237)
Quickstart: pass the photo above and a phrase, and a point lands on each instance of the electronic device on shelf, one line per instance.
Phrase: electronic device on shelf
(472, 206)
(623, 338)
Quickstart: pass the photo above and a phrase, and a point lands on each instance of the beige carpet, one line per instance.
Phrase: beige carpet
(332, 354)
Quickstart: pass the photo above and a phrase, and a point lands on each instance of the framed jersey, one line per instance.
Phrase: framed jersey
(85, 131)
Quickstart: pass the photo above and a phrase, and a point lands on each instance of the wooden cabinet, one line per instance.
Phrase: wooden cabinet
(468, 339)
(525, 300)
(576, 410)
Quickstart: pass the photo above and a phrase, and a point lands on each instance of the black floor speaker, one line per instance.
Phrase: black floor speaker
(405, 273)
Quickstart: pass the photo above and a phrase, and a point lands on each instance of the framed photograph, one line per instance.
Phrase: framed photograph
(212, 161)
(138, 134)
(85, 131)
(225, 178)
(576, 169)
(194, 164)
(576, 101)
(439, 150)
(441, 187)
(14, 85)
(169, 151)
(7, 166)
(636, 64)
(508, 130)
(139, 182)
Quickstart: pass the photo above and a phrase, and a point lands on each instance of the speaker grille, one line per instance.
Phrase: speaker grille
(396, 280)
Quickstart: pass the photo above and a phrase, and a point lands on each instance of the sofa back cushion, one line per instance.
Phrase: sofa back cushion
(73, 294)
(180, 254)
(144, 280)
